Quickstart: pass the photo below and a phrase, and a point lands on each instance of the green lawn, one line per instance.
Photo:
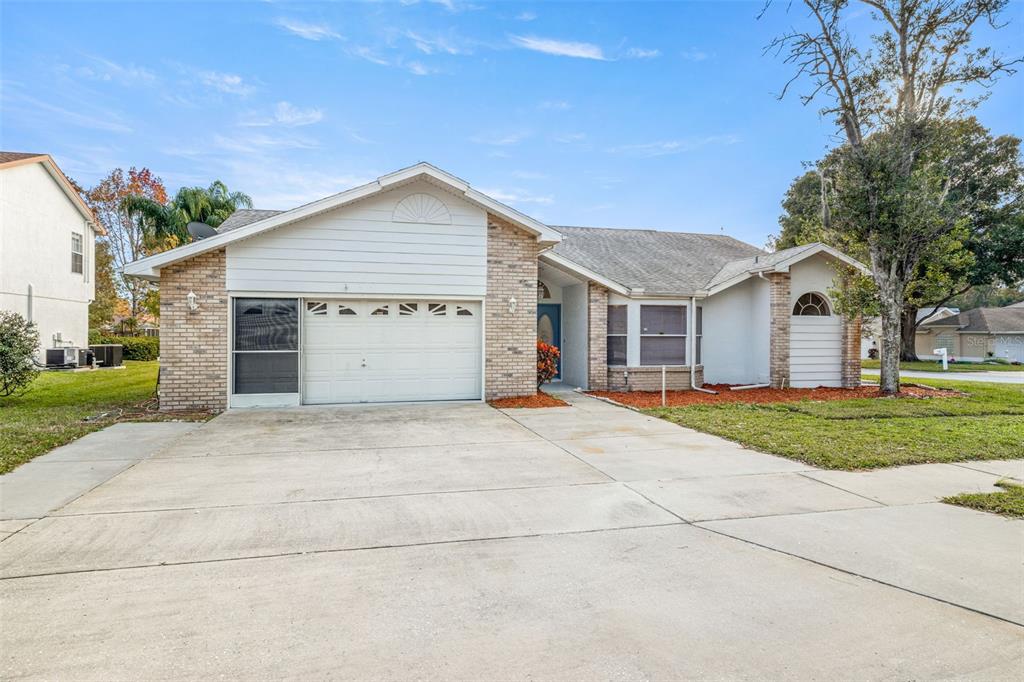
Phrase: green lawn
(987, 423)
(52, 411)
(931, 366)
(1008, 502)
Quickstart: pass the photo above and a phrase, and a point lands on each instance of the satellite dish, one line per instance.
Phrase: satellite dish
(200, 230)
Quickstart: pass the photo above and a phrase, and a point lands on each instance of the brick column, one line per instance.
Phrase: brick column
(851, 351)
(194, 343)
(511, 337)
(778, 340)
(597, 337)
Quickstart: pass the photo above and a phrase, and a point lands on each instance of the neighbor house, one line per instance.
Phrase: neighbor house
(47, 242)
(871, 331)
(975, 335)
(418, 287)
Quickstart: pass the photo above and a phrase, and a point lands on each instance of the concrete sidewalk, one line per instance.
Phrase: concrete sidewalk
(463, 542)
(953, 375)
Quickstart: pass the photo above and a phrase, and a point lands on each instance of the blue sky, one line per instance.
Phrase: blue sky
(659, 115)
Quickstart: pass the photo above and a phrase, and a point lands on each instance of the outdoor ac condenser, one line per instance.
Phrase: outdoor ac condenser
(61, 357)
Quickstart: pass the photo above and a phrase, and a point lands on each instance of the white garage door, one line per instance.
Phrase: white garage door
(815, 351)
(386, 351)
(1009, 346)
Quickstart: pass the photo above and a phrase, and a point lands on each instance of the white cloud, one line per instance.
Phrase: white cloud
(433, 45)
(106, 70)
(526, 16)
(307, 30)
(561, 48)
(570, 138)
(665, 147)
(256, 143)
(692, 54)
(641, 53)
(225, 82)
(529, 175)
(37, 111)
(369, 55)
(517, 196)
(418, 69)
(288, 115)
(500, 139)
(556, 105)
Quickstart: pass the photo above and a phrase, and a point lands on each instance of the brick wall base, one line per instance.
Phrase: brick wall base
(649, 378)
(511, 336)
(194, 343)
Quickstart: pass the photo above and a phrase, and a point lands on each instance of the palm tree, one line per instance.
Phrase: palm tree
(211, 205)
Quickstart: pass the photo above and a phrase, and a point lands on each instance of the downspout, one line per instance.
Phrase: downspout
(691, 339)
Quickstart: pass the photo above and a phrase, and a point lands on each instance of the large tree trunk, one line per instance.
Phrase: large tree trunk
(890, 295)
(908, 334)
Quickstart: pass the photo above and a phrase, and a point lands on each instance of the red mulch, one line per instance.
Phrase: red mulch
(759, 395)
(539, 399)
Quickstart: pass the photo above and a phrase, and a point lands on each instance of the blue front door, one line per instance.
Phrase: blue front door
(549, 327)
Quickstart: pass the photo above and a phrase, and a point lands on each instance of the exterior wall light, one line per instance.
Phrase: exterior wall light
(193, 301)
(512, 304)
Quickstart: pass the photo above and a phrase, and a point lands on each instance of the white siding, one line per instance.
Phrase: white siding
(1009, 346)
(815, 346)
(36, 222)
(361, 249)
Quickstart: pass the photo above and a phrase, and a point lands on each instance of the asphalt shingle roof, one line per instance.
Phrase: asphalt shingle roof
(660, 263)
(984, 320)
(8, 157)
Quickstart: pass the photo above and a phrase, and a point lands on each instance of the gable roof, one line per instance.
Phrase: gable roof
(650, 262)
(148, 268)
(243, 216)
(984, 321)
(12, 159)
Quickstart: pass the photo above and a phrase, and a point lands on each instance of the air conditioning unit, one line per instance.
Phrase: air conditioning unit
(62, 357)
(108, 354)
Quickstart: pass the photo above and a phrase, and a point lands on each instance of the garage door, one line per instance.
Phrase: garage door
(387, 351)
(815, 351)
(1009, 346)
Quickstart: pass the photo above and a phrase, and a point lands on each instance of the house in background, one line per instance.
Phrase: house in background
(418, 287)
(873, 330)
(976, 334)
(47, 243)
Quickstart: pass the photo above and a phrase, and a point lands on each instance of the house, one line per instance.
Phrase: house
(872, 330)
(47, 242)
(976, 334)
(418, 287)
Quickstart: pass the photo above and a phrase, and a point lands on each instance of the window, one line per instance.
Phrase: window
(662, 335)
(437, 309)
(380, 312)
(811, 304)
(316, 308)
(406, 309)
(77, 256)
(265, 345)
(698, 333)
(542, 291)
(463, 312)
(345, 310)
(617, 329)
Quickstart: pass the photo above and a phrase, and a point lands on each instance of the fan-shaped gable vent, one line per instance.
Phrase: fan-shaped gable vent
(422, 208)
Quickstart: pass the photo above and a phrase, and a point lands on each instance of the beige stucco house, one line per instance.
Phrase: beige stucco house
(418, 287)
(975, 335)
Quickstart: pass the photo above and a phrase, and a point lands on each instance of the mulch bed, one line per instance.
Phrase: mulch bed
(539, 399)
(645, 399)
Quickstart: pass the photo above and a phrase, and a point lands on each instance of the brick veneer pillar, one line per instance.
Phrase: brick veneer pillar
(851, 351)
(778, 340)
(194, 343)
(597, 337)
(511, 337)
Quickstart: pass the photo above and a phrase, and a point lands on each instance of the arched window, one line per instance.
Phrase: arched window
(811, 304)
(542, 291)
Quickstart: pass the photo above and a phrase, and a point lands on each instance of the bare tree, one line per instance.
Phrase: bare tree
(885, 100)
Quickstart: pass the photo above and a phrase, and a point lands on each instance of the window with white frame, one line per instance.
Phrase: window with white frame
(662, 335)
(617, 331)
(77, 254)
(698, 334)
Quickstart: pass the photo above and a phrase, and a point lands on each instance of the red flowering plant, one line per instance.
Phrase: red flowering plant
(547, 362)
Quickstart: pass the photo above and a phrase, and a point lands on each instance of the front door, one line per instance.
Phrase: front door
(549, 327)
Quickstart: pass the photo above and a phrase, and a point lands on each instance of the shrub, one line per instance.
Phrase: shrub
(135, 347)
(18, 342)
(547, 362)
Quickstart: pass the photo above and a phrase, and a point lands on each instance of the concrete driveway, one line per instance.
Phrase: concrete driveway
(459, 541)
